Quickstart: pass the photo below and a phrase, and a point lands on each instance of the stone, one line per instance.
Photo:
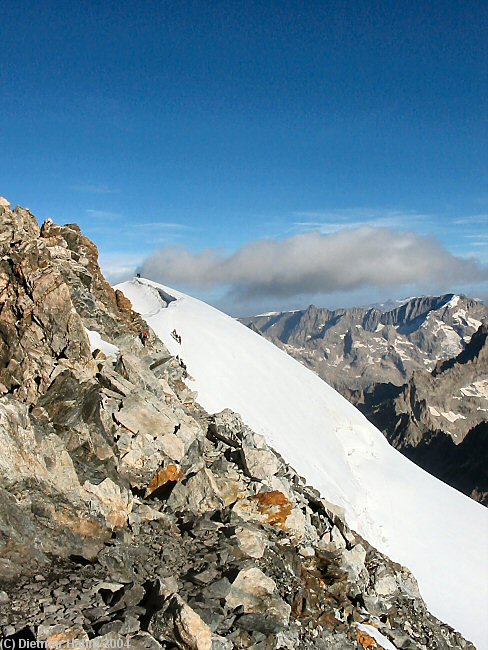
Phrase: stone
(354, 560)
(114, 502)
(228, 427)
(144, 641)
(251, 541)
(385, 583)
(259, 463)
(169, 474)
(178, 622)
(254, 592)
(139, 416)
(199, 495)
(60, 636)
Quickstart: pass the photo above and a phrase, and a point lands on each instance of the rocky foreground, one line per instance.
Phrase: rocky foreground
(129, 515)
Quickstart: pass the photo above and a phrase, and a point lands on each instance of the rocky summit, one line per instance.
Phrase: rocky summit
(130, 516)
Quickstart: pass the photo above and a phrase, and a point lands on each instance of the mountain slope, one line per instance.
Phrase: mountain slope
(414, 518)
(352, 349)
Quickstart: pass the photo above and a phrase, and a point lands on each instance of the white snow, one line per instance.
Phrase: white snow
(476, 389)
(97, 343)
(453, 302)
(452, 417)
(375, 634)
(450, 339)
(437, 532)
(461, 317)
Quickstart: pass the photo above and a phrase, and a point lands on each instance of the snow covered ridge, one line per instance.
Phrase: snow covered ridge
(418, 521)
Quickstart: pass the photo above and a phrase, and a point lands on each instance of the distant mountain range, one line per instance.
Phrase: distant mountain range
(418, 371)
(354, 349)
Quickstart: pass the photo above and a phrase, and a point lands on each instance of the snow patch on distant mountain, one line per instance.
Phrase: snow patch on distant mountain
(415, 519)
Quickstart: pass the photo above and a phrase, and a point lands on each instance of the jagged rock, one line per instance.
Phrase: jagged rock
(251, 541)
(169, 474)
(256, 594)
(179, 623)
(228, 427)
(144, 641)
(200, 494)
(139, 416)
(438, 419)
(259, 463)
(354, 560)
(339, 345)
(114, 502)
(39, 326)
(273, 508)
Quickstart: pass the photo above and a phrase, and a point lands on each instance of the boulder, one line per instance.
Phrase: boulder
(251, 541)
(259, 463)
(200, 494)
(255, 593)
(179, 623)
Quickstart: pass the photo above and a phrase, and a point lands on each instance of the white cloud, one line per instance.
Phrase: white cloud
(331, 221)
(316, 263)
(475, 219)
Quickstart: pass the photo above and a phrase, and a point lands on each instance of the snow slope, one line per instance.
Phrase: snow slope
(435, 531)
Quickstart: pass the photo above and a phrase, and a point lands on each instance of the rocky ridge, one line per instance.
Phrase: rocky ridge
(128, 514)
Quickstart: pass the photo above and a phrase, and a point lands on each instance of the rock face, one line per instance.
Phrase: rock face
(130, 516)
(440, 419)
(354, 349)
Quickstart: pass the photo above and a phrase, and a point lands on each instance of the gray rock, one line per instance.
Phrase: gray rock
(255, 593)
(179, 623)
(259, 463)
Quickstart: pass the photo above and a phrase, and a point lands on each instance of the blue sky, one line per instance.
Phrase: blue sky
(219, 124)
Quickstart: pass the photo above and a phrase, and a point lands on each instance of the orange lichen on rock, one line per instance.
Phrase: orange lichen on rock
(275, 506)
(367, 641)
(170, 473)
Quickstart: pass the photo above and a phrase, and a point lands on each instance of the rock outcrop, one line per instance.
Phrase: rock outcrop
(440, 419)
(131, 517)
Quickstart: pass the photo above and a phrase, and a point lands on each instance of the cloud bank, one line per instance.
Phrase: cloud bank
(316, 263)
